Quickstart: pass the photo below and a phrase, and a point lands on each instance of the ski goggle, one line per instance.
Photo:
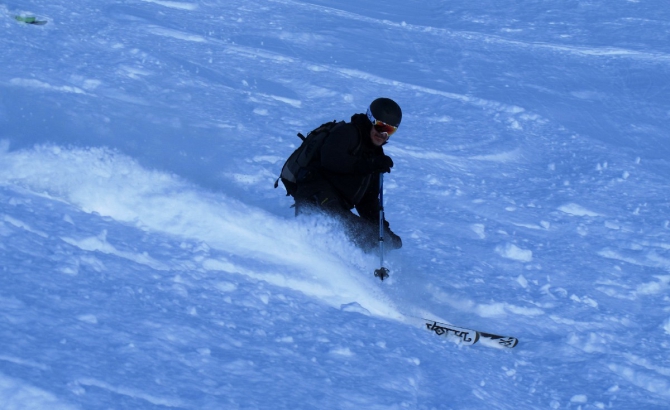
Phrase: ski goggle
(381, 126)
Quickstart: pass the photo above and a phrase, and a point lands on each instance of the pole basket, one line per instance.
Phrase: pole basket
(381, 273)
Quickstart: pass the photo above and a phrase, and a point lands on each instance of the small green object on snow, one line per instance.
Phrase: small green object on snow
(30, 20)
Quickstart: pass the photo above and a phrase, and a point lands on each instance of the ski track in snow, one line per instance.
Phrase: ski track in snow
(486, 38)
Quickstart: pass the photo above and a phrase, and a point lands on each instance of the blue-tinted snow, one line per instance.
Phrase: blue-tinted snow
(146, 262)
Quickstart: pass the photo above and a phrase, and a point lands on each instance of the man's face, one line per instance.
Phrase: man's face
(378, 138)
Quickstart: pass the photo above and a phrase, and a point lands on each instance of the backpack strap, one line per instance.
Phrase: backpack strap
(360, 140)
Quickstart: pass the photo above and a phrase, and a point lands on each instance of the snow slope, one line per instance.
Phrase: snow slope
(148, 263)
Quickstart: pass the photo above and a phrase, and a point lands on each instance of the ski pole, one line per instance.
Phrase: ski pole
(381, 273)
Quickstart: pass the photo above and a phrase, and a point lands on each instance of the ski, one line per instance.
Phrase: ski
(469, 337)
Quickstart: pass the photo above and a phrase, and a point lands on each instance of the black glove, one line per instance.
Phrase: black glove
(381, 163)
(396, 242)
(393, 240)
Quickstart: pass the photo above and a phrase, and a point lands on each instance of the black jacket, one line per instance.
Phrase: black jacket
(345, 147)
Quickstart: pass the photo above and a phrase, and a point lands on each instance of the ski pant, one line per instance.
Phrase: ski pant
(320, 196)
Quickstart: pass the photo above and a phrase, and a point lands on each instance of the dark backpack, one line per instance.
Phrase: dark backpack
(301, 165)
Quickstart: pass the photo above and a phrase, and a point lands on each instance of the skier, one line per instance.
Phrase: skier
(348, 171)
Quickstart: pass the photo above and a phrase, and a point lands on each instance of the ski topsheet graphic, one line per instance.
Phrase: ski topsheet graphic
(469, 336)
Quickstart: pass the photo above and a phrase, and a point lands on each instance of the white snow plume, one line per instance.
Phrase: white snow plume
(311, 255)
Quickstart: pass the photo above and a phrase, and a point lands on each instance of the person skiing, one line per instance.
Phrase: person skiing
(346, 174)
